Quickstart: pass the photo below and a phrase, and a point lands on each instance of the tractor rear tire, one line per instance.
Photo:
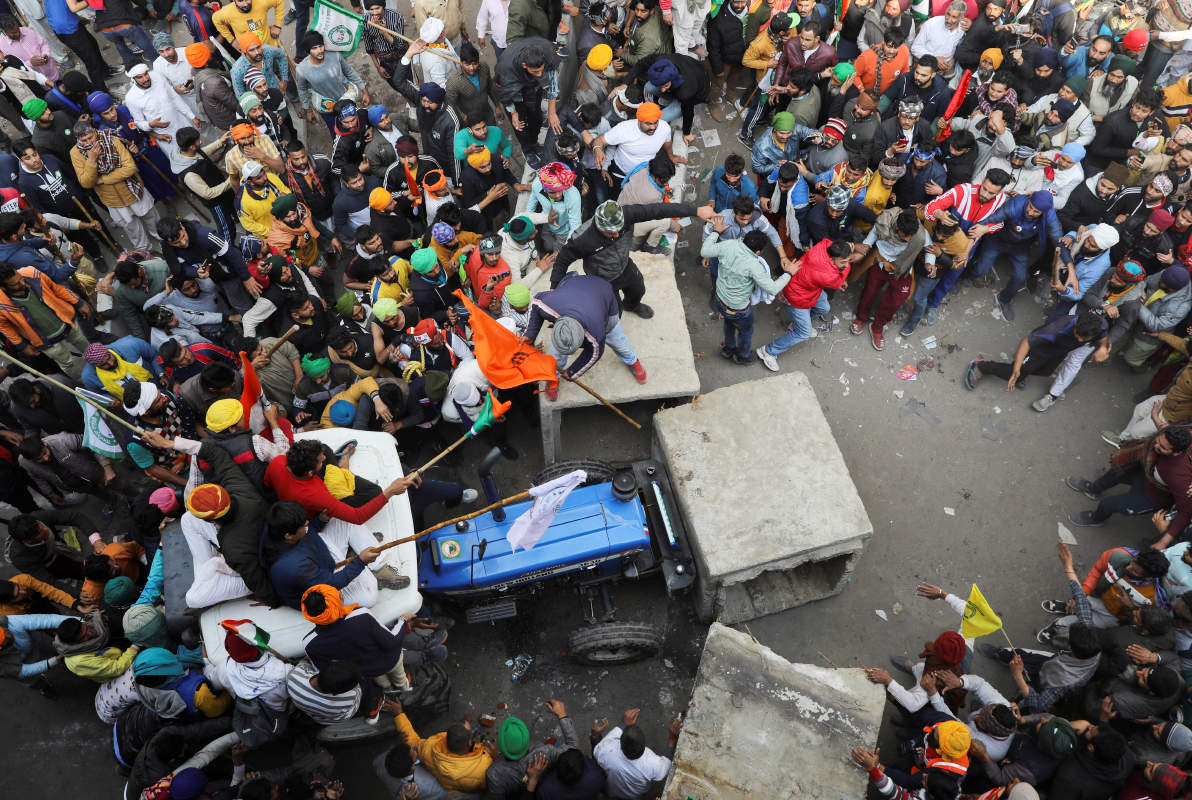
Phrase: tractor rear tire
(613, 643)
(598, 471)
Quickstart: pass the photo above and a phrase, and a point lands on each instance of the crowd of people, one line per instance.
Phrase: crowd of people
(225, 210)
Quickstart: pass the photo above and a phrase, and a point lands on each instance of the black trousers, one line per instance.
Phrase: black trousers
(87, 49)
(1030, 366)
(632, 286)
(531, 114)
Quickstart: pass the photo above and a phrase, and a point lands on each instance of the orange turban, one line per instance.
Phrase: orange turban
(378, 199)
(242, 131)
(247, 40)
(483, 157)
(197, 54)
(335, 611)
(434, 180)
(209, 501)
(3, 637)
(649, 112)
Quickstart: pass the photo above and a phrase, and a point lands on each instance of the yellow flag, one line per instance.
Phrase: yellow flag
(979, 618)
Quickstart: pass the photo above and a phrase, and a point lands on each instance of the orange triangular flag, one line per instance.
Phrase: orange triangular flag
(504, 358)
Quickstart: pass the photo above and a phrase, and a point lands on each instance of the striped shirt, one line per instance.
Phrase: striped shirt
(375, 42)
(324, 709)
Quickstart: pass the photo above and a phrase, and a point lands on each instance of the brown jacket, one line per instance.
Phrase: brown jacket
(302, 240)
(111, 188)
(1177, 405)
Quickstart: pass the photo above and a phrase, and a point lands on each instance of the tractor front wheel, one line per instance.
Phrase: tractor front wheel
(614, 643)
(598, 471)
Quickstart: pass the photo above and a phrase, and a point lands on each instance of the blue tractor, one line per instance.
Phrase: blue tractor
(622, 522)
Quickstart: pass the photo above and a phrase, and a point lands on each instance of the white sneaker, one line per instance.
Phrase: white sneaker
(470, 495)
(1045, 402)
(768, 360)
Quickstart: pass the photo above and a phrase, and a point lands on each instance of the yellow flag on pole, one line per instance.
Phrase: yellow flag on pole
(979, 618)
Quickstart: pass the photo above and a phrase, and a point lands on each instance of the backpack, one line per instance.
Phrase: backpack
(430, 696)
(256, 723)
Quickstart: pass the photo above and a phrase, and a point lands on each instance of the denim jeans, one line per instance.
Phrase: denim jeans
(615, 339)
(738, 329)
(923, 287)
(135, 34)
(671, 111)
(801, 322)
(1131, 503)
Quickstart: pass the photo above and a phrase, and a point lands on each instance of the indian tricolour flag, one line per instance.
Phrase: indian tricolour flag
(341, 28)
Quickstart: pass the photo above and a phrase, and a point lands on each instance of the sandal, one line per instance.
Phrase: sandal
(345, 448)
(972, 377)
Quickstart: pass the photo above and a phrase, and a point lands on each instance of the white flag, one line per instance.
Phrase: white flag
(527, 529)
(97, 435)
(341, 28)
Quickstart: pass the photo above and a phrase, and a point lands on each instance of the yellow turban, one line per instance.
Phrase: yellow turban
(209, 501)
(223, 414)
(994, 55)
(483, 157)
(378, 199)
(954, 739)
(599, 57)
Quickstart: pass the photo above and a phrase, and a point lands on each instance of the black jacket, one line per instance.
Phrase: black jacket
(358, 638)
(433, 301)
(726, 39)
(438, 136)
(241, 528)
(1083, 778)
(889, 132)
(57, 411)
(317, 198)
(150, 768)
(821, 226)
(512, 82)
(935, 97)
(981, 36)
(348, 148)
(695, 83)
(1114, 136)
(859, 135)
(608, 258)
(960, 168)
(52, 190)
(1084, 207)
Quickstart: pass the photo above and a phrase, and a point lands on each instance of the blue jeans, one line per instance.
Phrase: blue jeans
(738, 329)
(615, 339)
(671, 111)
(301, 23)
(947, 282)
(1019, 254)
(430, 492)
(135, 34)
(801, 322)
(923, 287)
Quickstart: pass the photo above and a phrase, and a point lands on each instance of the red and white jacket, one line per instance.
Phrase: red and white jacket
(964, 200)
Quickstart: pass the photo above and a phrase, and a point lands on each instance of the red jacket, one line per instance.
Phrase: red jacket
(816, 272)
(311, 494)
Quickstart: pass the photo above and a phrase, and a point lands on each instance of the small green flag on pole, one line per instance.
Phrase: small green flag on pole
(490, 413)
(341, 28)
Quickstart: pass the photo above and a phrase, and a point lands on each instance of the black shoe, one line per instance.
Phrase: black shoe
(995, 653)
(747, 141)
(116, 69)
(742, 361)
(726, 353)
(44, 687)
(643, 311)
(509, 452)
(1007, 310)
(1047, 635)
(1080, 485)
(1057, 607)
(1085, 519)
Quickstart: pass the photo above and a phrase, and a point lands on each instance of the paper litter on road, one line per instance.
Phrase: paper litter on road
(1065, 535)
(997, 409)
(710, 137)
(899, 393)
(907, 373)
(881, 614)
(931, 342)
(951, 512)
(850, 362)
(843, 379)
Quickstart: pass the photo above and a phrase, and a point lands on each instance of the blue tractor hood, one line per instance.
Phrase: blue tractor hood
(592, 528)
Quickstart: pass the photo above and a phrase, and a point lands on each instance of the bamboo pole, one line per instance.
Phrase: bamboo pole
(45, 226)
(102, 231)
(593, 392)
(171, 184)
(411, 41)
(419, 472)
(66, 388)
(504, 502)
(1014, 652)
(273, 348)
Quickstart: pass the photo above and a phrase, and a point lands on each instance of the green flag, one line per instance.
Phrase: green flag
(341, 28)
(489, 413)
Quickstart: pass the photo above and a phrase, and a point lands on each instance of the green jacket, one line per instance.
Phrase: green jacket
(526, 18)
(739, 272)
(648, 38)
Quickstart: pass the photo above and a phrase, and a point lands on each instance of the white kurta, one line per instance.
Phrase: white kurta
(160, 101)
(176, 75)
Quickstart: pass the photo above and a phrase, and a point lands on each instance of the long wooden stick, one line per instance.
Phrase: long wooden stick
(49, 237)
(82, 397)
(592, 392)
(273, 348)
(171, 184)
(411, 41)
(506, 501)
(102, 231)
(444, 452)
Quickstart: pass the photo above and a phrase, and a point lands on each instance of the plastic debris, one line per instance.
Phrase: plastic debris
(951, 512)
(991, 430)
(896, 608)
(899, 393)
(843, 379)
(488, 720)
(907, 373)
(850, 362)
(919, 409)
(881, 614)
(710, 137)
(1064, 534)
(521, 665)
(931, 342)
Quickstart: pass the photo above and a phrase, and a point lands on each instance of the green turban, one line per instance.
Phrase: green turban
(145, 626)
(843, 71)
(316, 367)
(513, 739)
(34, 108)
(120, 592)
(784, 121)
(518, 294)
(1123, 63)
(284, 204)
(346, 303)
(385, 308)
(424, 260)
(1078, 84)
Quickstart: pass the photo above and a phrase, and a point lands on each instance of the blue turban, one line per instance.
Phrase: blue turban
(1175, 277)
(1047, 57)
(1042, 200)
(1065, 108)
(662, 72)
(251, 247)
(342, 413)
(188, 784)
(100, 102)
(349, 110)
(1074, 151)
(375, 112)
(432, 92)
(157, 661)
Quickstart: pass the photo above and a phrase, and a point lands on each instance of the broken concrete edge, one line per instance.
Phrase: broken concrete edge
(753, 714)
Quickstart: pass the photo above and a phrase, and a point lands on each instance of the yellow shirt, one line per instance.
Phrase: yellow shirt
(256, 214)
(113, 379)
(231, 22)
